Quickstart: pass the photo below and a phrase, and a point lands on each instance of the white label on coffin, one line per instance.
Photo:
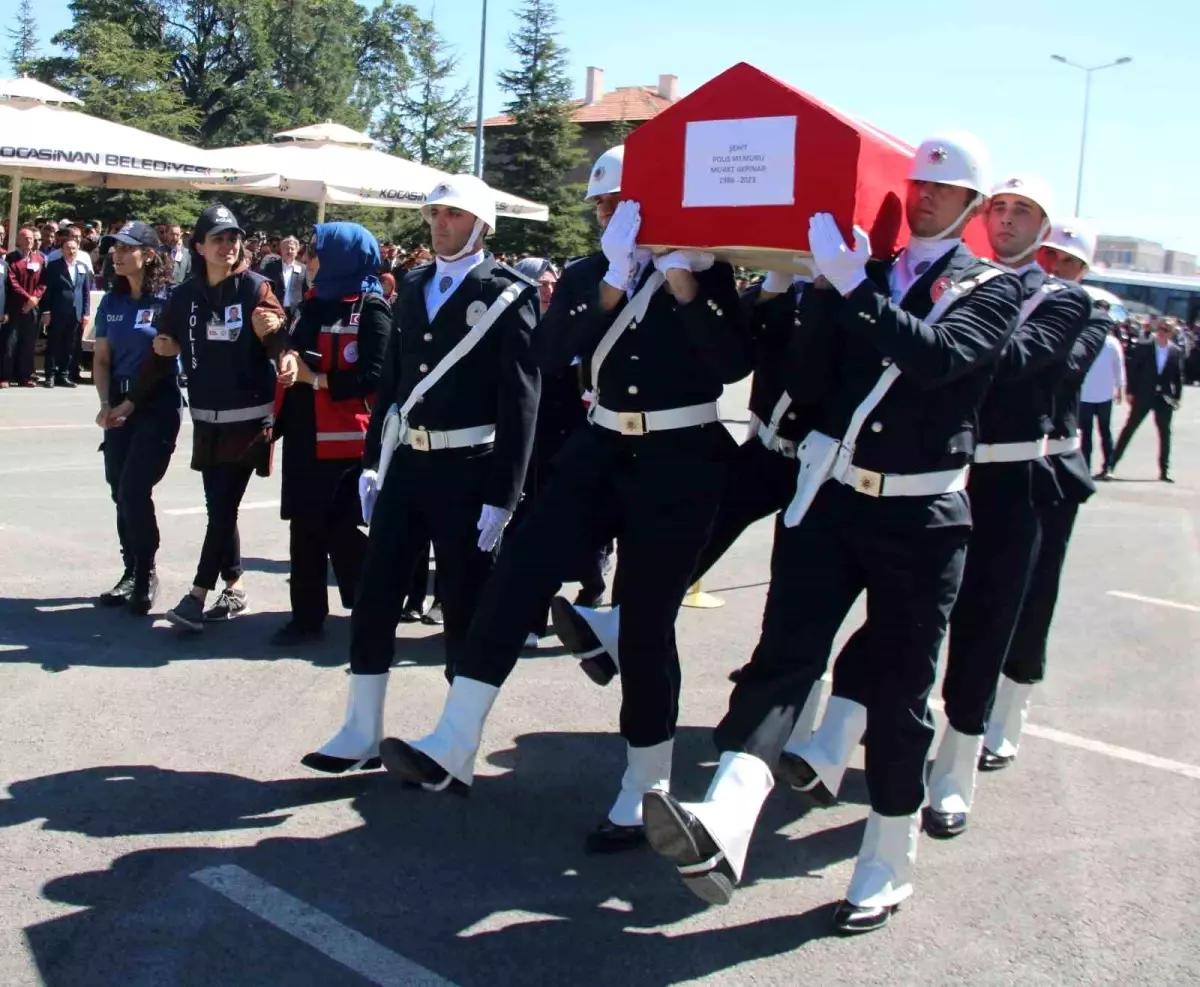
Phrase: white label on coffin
(740, 162)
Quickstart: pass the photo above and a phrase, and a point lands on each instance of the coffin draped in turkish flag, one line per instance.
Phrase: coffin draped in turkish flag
(738, 166)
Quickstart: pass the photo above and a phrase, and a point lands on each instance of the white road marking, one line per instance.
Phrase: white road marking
(96, 465)
(1153, 600)
(1111, 750)
(322, 932)
(60, 607)
(257, 505)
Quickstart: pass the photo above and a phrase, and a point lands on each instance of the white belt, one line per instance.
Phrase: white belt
(1057, 447)
(785, 447)
(1011, 452)
(904, 484)
(232, 414)
(426, 440)
(641, 422)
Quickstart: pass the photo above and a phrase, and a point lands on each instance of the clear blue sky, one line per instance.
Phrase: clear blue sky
(912, 68)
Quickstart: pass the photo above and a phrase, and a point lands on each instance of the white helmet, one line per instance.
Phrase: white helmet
(1032, 187)
(465, 192)
(605, 178)
(954, 158)
(1074, 237)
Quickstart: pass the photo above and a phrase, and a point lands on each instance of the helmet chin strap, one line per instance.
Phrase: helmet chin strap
(1031, 252)
(953, 226)
(469, 246)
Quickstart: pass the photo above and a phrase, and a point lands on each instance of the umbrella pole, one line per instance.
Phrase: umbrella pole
(14, 209)
(320, 212)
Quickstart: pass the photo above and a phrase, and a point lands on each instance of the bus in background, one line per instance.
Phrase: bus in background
(1154, 294)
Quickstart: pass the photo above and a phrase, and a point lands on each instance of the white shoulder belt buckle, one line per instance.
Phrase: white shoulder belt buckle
(418, 438)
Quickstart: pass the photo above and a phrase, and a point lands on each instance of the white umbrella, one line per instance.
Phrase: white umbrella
(335, 133)
(25, 88)
(60, 145)
(331, 172)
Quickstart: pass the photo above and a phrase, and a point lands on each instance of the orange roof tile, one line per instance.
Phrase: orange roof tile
(632, 103)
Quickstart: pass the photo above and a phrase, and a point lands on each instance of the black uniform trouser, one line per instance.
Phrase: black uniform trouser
(1101, 413)
(1026, 662)
(136, 457)
(221, 553)
(1162, 421)
(759, 483)
(848, 544)
(60, 347)
(419, 588)
(317, 541)
(657, 495)
(426, 496)
(21, 346)
(1001, 553)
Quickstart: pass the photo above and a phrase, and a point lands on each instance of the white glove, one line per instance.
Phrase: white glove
(684, 260)
(619, 241)
(368, 490)
(777, 282)
(492, 521)
(845, 268)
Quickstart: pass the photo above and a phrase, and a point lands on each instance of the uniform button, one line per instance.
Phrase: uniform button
(634, 356)
(633, 389)
(876, 427)
(885, 362)
(791, 416)
(428, 337)
(424, 368)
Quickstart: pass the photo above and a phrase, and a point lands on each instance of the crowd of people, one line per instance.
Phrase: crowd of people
(914, 431)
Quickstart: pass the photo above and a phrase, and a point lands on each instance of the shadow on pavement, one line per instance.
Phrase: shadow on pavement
(58, 634)
(491, 890)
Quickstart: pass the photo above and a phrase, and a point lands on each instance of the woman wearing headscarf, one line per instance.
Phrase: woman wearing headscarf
(328, 374)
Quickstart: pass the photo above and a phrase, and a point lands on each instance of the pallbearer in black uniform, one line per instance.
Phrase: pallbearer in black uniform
(446, 451)
(880, 507)
(762, 478)
(1010, 480)
(1066, 253)
(661, 336)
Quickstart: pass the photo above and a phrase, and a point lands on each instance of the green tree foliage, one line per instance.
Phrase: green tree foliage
(23, 35)
(542, 144)
(426, 121)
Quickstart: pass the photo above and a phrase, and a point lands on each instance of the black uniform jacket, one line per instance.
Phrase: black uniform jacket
(1071, 469)
(497, 383)
(676, 356)
(784, 352)
(926, 422)
(310, 484)
(1020, 405)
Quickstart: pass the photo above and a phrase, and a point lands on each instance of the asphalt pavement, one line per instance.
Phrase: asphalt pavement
(156, 827)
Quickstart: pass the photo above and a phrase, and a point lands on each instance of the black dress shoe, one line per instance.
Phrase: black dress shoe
(995, 762)
(674, 833)
(943, 825)
(578, 637)
(608, 837)
(145, 592)
(852, 919)
(1104, 474)
(64, 382)
(1165, 477)
(119, 595)
(798, 773)
(48, 382)
(418, 768)
(433, 616)
(292, 634)
(590, 598)
(410, 615)
(330, 765)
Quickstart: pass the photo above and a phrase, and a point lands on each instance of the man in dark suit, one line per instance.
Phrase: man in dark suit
(1155, 384)
(66, 310)
(286, 274)
(18, 336)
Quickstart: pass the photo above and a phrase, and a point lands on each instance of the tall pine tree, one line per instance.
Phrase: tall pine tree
(23, 36)
(542, 144)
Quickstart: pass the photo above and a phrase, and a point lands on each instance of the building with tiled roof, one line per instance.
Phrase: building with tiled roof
(598, 112)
